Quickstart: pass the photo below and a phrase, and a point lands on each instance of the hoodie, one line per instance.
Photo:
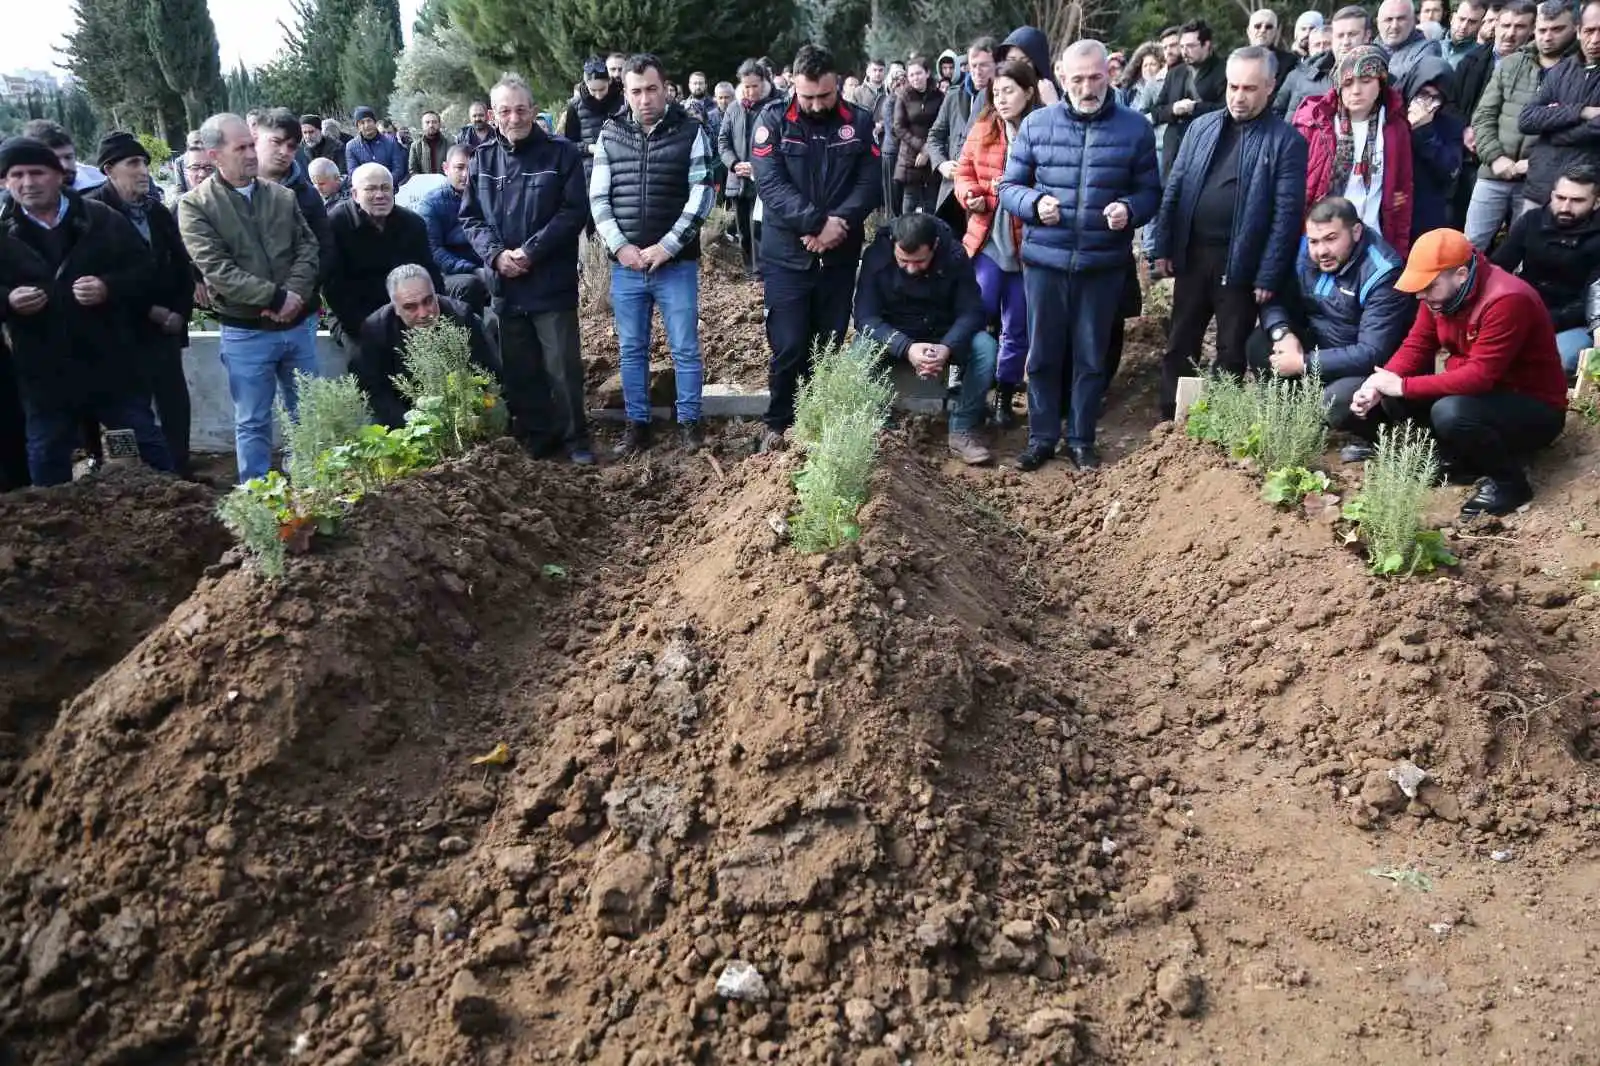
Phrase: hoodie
(1037, 47)
(1436, 153)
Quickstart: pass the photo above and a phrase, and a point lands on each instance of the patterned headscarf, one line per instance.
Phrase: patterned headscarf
(1367, 61)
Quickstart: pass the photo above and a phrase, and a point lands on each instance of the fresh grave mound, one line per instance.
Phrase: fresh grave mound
(189, 845)
(86, 570)
(1245, 626)
(849, 790)
(733, 343)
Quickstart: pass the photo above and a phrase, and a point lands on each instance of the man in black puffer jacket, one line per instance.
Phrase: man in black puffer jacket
(650, 191)
(598, 100)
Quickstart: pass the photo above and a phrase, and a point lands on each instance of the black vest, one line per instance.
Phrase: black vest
(650, 176)
(592, 113)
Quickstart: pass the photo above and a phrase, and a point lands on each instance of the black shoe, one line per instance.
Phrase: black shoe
(1005, 416)
(691, 436)
(1034, 456)
(1359, 452)
(1497, 496)
(635, 439)
(1083, 456)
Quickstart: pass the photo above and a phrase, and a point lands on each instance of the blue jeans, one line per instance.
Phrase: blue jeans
(55, 429)
(259, 361)
(1069, 329)
(675, 288)
(1571, 343)
(977, 378)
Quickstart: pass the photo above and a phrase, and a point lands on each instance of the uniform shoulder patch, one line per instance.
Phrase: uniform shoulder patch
(847, 132)
(763, 134)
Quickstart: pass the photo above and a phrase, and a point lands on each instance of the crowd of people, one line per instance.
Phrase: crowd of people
(1350, 200)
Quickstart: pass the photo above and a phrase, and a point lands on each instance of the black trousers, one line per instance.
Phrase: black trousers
(169, 389)
(1198, 295)
(892, 190)
(1490, 435)
(469, 288)
(920, 195)
(804, 308)
(13, 428)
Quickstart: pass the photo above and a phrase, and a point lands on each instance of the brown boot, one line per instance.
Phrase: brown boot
(969, 449)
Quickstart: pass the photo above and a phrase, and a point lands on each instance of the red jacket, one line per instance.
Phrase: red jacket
(978, 173)
(1500, 340)
(1317, 119)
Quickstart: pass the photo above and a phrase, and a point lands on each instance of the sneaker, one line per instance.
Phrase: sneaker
(772, 441)
(691, 436)
(1035, 456)
(1497, 496)
(969, 449)
(582, 455)
(635, 439)
(1359, 452)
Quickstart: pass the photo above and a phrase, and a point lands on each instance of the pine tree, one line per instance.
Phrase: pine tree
(547, 42)
(113, 64)
(434, 15)
(367, 68)
(183, 41)
(435, 73)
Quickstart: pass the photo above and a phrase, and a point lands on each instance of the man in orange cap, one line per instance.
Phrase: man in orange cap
(1502, 394)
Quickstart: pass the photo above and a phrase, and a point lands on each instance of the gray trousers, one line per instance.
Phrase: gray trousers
(1494, 203)
(543, 369)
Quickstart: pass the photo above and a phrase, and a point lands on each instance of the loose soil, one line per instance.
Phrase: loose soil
(1063, 768)
(86, 571)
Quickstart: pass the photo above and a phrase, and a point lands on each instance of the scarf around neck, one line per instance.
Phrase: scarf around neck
(1346, 160)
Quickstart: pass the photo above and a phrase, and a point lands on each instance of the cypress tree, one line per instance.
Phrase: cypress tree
(183, 40)
(368, 65)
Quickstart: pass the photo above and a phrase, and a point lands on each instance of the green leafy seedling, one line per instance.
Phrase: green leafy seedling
(1287, 486)
(553, 572)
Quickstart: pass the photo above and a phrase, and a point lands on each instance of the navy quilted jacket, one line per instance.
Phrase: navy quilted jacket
(1087, 162)
(1270, 209)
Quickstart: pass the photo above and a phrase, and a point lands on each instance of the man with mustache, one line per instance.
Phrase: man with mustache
(1501, 395)
(1341, 317)
(1079, 210)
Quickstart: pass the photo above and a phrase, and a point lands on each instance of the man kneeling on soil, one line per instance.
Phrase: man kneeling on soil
(413, 302)
(1343, 318)
(1502, 393)
(918, 295)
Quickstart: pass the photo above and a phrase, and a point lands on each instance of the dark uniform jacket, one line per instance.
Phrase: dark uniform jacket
(810, 169)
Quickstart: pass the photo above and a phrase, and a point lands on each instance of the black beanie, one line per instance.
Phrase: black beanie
(27, 152)
(117, 146)
(311, 120)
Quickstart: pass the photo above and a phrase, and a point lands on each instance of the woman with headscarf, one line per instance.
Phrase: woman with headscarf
(1029, 44)
(994, 236)
(1360, 145)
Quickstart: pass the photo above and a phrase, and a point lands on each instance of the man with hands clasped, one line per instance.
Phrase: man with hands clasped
(653, 185)
(1081, 177)
(73, 282)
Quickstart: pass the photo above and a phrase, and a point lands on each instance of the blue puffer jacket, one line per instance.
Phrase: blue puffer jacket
(1270, 208)
(1087, 162)
(381, 149)
(447, 238)
(1355, 319)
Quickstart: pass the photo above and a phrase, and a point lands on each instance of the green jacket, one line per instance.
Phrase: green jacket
(1512, 86)
(252, 253)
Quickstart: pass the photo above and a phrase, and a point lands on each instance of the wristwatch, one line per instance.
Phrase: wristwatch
(1279, 332)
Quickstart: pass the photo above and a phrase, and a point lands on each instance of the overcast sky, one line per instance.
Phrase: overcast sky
(246, 29)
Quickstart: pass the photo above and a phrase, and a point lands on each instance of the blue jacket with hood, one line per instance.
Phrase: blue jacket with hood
(1355, 319)
(1037, 46)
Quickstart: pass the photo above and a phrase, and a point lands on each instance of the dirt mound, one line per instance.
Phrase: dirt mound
(1258, 630)
(201, 817)
(86, 570)
(262, 835)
